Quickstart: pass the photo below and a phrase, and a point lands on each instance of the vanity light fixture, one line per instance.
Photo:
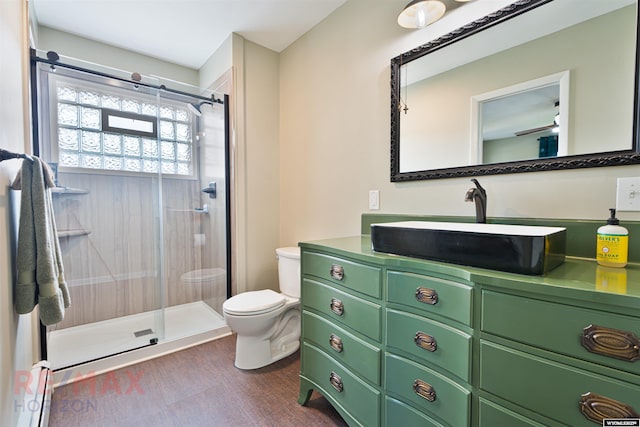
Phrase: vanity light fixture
(420, 13)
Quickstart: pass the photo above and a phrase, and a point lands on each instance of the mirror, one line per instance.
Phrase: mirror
(488, 98)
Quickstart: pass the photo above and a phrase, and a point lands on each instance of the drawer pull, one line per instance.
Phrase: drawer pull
(335, 342)
(424, 390)
(336, 306)
(426, 295)
(336, 272)
(336, 381)
(425, 341)
(597, 408)
(611, 342)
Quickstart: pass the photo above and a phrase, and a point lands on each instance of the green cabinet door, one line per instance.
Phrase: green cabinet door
(356, 313)
(549, 388)
(343, 273)
(433, 342)
(340, 386)
(428, 391)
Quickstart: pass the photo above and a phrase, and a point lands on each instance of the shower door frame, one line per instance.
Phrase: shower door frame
(35, 139)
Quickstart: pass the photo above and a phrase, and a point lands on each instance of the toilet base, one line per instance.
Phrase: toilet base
(252, 354)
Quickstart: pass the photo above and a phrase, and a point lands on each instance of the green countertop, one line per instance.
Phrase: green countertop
(577, 278)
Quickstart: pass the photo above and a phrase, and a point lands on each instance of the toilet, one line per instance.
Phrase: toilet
(267, 323)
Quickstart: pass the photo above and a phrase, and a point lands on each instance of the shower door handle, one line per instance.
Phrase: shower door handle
(211, 190)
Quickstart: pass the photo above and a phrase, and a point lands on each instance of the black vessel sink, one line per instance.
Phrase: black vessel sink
(520, 249)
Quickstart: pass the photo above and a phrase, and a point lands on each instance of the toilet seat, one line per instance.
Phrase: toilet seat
(253, 302)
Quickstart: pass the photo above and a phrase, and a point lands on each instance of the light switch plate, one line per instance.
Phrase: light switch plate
(628, 194)
(374, 200)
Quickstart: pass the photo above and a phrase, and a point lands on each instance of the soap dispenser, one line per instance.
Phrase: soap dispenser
(613, 243)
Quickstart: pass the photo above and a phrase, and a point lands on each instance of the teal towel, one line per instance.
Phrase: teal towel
(40, 270)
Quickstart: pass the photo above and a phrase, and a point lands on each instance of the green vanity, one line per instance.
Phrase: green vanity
(398, 341)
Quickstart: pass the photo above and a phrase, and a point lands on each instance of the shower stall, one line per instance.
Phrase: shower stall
(141, 205)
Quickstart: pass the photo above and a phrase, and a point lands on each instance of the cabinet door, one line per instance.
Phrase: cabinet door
(343, 273)
(449, 299)
(493, 415)
(356, 313)
(433, 342)
(400, 414)
(427, 390)
(552, 389)
(341, 386)
(343, 346)
(563, 329)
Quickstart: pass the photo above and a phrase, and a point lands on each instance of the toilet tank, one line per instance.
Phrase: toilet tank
(289, 270)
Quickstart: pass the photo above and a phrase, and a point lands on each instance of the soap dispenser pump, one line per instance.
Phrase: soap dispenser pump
(613, 243)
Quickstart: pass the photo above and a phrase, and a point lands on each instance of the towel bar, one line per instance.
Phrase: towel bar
(6, 155)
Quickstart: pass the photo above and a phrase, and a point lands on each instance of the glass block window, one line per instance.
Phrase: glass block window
(115, 132)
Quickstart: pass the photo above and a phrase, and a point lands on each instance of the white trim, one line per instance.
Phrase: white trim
(562, 78)
(101, 89)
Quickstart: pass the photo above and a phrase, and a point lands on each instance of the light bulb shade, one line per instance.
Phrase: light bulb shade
(420, 13)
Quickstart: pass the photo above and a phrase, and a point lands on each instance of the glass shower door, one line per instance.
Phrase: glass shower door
(195, 221)
(107, 207)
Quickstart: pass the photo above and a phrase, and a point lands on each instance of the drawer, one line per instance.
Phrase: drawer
(560, 328)
(340, 385)
(450, 299)
(433, 342)
(343, 346)
(347, 274)
(549, 388)
(356, 313)
(400, 414)
(492, 415)
(409, 382)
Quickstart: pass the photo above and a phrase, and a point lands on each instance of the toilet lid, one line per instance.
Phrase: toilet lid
(254, 302)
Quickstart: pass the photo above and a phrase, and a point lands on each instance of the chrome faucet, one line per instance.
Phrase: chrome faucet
(479, 196)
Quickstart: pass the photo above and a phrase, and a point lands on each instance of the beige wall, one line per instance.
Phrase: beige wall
(255, 173)
(334, 135)
(102, 54)
(262, 160)
(18, 334)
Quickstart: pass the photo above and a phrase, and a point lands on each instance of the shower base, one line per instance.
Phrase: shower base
(83, 348)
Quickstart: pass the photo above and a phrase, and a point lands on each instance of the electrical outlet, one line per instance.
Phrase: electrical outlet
(628, 194)
(374, 200)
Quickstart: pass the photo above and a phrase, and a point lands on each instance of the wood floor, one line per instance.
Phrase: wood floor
(198, 386)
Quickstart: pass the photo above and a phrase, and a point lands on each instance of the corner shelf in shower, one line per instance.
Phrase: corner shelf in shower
(73, 233)
(68, 190)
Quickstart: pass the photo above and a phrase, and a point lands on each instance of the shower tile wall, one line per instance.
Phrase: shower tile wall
(111, 271)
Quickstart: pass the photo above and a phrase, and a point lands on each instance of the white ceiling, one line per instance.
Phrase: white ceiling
(184, 32)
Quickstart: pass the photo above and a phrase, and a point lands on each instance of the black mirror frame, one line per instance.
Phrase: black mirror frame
(615, 158)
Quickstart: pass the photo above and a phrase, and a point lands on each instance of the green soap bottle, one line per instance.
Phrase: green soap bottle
(613, 243)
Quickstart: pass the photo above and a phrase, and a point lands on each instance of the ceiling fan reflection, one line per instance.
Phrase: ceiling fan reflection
(554, 127)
